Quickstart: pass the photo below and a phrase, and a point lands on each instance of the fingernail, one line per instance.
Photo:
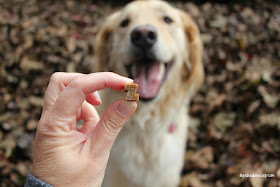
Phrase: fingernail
(97, 96)
(129, 80)
(126, 108)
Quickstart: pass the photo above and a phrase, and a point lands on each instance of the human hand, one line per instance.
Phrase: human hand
(65, 155)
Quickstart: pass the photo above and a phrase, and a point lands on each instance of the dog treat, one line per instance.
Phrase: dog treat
(131, 94)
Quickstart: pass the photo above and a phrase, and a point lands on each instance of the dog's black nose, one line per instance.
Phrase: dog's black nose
(144, 36)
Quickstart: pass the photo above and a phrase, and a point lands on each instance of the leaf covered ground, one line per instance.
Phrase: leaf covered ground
(235, 118)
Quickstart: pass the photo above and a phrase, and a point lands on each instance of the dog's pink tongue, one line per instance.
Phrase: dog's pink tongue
(148, 80)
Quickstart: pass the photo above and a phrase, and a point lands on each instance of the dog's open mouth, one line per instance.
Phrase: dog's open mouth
(149, 75)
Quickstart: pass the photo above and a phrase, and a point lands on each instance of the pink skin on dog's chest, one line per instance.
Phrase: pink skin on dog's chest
(171, 128)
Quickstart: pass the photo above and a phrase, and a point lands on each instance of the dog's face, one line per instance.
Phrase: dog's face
(146, 41)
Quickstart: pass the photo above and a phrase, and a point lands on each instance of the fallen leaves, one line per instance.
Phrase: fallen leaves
(272, 119)
(237, 111)
(36, 40)
(235, 124)
(201, 159)
(223, 121)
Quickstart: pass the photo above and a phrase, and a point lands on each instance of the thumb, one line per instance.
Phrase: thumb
(110, 125)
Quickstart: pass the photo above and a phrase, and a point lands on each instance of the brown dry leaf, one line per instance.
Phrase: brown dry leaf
(270, 100)
(271, 119)
(32, 124)
(257, 181)
(191, 179)
(219, 21)
(193, 9)
(271, 166)
(223, 121)
(240, 166)
(217, 102)
(9, 125)
(25, 140)
(240, 132)
(260, 68)
(71, 44)
(71, 67)
(14, 178)
(272, 182)
(253, 107)
(244, 151)
(37, 101)
(21, 167)
(192, 131)
(27, 64)
(201, 159)
(8, 144)
(241, 54)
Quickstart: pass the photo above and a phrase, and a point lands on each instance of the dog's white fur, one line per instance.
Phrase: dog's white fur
(145, 154)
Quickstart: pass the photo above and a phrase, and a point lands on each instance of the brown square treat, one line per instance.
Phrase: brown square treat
(131, 92)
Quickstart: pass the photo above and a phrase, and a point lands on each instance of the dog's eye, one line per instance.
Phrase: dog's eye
(125, 23)
(167, 19)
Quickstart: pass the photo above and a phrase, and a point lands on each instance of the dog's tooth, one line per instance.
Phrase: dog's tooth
(161, 71)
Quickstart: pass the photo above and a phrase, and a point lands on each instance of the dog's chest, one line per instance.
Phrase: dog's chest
(150, 149)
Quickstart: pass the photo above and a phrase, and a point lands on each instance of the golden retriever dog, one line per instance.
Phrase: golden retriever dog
(159, 47)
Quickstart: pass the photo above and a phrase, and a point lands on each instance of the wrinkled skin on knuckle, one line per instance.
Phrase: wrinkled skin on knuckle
(113, 124)
(76, 82)
(50, 127)
(43, 125)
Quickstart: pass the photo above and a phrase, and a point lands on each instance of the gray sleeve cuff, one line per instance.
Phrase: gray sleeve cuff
(32, 181)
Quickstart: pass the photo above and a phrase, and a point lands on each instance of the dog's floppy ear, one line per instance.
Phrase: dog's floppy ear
(193, 62)
(103, 42)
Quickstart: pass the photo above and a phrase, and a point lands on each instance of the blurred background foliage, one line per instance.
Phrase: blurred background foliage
(235, 117)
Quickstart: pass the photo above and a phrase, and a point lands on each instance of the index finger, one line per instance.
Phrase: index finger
(57, 84)
(72, 97)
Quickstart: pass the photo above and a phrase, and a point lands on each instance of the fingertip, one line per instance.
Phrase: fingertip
(129, 80)
(126, 108)
(97, 96)
(94, 98)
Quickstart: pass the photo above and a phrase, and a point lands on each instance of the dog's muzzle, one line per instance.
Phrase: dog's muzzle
(143, 37)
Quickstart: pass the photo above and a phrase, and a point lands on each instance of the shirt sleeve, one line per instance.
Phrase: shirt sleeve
(32, 181)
